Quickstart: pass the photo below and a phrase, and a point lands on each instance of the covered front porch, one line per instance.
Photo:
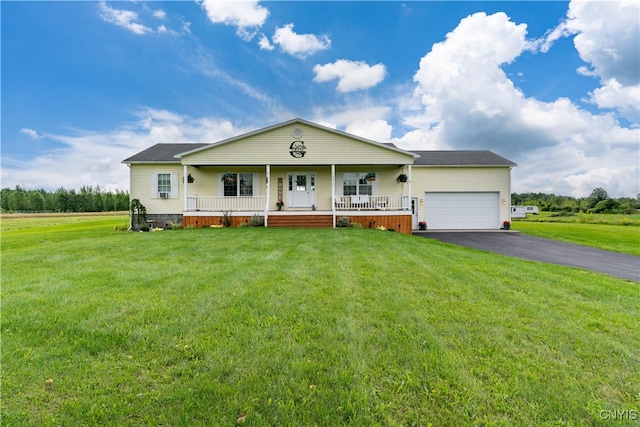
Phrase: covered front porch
(310, 196)
(260, 204)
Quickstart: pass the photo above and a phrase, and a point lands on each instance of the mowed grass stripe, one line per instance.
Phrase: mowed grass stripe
(609, 237)
(305, 327)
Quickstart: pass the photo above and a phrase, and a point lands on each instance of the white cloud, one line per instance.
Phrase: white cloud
(346, 115)
(546, 42)
(351, 75)
(123, 18)
(608, 38)
(625, 99)
(94, 158)
(299, 45)
(264, 43)
(246, 15)
(467, 101)
(159, 13)
(376, 130)
(30, 132)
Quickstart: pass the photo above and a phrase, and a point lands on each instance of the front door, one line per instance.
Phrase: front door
(302, 189)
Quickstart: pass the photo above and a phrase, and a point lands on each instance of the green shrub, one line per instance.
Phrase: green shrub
(560, 214)
(355, 225)
(242, 225)
(257, 221)
(226, 219)
(343, 221)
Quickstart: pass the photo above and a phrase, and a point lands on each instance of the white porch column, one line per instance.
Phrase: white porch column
(409, 186)
(333, 194)
(185, 174)
(266, 208)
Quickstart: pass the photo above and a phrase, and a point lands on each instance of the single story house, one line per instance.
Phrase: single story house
(299, 173)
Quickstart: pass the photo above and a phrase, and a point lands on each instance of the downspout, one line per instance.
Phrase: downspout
(333, 194)
(266, 208)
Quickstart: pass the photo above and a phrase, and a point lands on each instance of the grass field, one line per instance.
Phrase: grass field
(303, 328)
(618, 233)
(583, 218)
(617, 238)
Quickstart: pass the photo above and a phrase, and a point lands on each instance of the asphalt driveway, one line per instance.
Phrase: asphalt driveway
(527, 247)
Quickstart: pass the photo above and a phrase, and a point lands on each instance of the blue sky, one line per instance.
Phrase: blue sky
(553, 86)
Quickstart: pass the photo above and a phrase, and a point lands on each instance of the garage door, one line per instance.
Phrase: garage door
(462, 211)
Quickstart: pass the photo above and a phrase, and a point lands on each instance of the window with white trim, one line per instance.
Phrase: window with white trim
(164, 183)
(354, 183)
(242, 185)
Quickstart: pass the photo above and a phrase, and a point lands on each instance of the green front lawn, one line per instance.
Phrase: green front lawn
(304, 327)
(617, 238)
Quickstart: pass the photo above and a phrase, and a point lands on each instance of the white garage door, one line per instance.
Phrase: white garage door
(462, 211)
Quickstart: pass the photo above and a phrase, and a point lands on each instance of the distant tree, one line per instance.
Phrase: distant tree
(606, 206)
(37, 201)
(4, 198)
(121, 201)
(597, 195)
(19, 201)
(62, 200)
(107, 202)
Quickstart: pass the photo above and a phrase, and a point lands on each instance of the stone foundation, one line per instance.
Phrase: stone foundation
(163, 220)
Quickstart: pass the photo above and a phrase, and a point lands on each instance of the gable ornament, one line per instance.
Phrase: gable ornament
(297, 149)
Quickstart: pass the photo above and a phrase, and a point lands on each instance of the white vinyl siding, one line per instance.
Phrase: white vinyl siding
(463, 180)
(144, 188)
(322, 148)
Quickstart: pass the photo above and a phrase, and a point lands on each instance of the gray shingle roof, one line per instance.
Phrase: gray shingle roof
(461, 158)
(165, 153)
(162, 153)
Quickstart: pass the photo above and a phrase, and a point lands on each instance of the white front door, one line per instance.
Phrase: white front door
(302, 189)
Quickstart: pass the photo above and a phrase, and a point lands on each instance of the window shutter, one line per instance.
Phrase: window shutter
(153, 186)
(339, 185)
(220, 185)
(374, 187)
(174, 185)
(257, 184)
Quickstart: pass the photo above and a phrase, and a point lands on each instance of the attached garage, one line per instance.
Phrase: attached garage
(462, 210)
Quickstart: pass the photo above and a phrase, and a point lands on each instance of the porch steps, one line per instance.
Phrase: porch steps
(301, 221)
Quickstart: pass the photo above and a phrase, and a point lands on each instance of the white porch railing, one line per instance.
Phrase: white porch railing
(356, 203)
(221, 204)
(257, 204)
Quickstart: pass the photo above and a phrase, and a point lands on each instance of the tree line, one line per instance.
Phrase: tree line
(94, 199)
(597, 202)
(88, 199)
